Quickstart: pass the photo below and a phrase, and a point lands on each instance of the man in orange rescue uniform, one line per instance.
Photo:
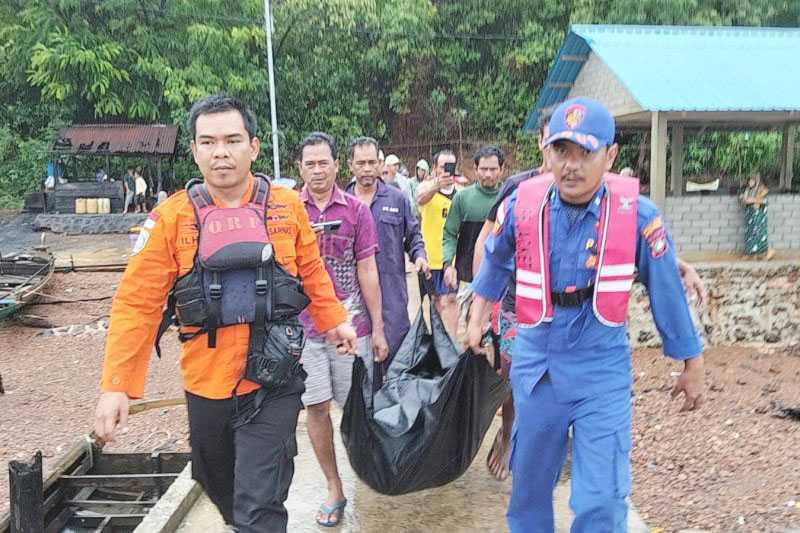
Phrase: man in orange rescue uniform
(242, 435)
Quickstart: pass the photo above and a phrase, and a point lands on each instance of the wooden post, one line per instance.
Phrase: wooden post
(658, 159)
(26, 488)
(676, 164)
(787, 158)
(158, 170)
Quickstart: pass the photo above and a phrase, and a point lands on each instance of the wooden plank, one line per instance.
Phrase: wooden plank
(109, 503)
(138, 463)
(25, 486)
(93, 520)
(120, 481)
(57, 524)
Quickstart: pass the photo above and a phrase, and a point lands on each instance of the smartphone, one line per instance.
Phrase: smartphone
(450, 168)
(327, 227)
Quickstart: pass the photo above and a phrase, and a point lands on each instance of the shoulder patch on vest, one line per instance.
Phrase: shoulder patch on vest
(144, 233)
(501, 216)
(141, 242)
(652, 226)
(656, 236)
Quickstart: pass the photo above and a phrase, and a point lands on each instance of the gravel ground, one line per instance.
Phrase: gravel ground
(732, 467)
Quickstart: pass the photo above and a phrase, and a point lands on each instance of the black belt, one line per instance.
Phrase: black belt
(572, 299)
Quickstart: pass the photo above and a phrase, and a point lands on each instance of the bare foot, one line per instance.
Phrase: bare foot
(497, 460)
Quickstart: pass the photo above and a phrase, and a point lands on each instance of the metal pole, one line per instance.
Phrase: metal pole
(273, 113)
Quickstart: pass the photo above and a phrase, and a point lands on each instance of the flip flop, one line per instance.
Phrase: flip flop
(336, 510)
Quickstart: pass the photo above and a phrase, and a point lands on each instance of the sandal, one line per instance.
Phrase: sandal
(335, 514)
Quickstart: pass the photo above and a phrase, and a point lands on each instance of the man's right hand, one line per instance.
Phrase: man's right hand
(446, 181)
(343, 337)
(479, 314)
(112, 410)
(474, 337)
(451, 277)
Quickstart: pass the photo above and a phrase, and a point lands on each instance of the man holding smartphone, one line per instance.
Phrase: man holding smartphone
(434, 198)
(349, 255)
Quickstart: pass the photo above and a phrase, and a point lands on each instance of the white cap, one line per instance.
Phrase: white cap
(392, 159)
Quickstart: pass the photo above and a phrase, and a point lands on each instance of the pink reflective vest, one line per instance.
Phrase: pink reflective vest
(616, 250)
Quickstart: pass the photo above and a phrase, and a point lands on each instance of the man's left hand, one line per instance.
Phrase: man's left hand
(691, 382)
(343, 337)
(421, 264)
(451, 277)
(380, 348)
(692, 283)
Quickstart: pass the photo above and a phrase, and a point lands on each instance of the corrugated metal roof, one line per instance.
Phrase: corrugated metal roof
(133, 139)
(687, 68)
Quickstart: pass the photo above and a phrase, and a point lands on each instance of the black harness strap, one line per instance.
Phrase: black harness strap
(572, 299)
(167, 319)
(214, 308)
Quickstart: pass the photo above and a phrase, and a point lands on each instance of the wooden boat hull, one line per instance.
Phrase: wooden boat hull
(22, 277)
(92, 491)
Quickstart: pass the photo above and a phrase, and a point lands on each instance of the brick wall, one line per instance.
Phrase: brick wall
(716, 223)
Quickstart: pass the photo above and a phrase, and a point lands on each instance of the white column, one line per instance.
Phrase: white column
(658, 158)
(676, 163)
(787, 157)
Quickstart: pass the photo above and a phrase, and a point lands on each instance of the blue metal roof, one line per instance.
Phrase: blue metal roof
(685, 68)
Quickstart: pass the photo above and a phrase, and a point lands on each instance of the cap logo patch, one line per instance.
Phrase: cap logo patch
(574, 115)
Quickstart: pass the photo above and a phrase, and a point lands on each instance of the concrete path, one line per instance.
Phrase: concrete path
(474, 503)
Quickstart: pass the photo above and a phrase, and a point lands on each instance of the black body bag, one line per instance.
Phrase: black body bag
(425, 424)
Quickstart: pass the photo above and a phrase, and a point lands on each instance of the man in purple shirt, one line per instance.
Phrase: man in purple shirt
(398, 233)
(349, 254)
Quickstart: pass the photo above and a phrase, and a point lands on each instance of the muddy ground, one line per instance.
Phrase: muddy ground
(733, 466)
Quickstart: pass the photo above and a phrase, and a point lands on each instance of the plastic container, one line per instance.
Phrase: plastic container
(80, 206)
(91, 206)
(101, 206)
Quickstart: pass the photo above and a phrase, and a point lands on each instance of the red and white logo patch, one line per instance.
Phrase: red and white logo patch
(574, 115)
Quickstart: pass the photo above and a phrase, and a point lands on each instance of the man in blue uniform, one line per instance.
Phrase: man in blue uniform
(571, 365)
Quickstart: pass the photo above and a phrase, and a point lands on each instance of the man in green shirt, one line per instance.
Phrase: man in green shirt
(465, 219)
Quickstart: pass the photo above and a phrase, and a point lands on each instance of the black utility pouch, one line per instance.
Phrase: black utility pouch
(279, 359)
(190, 302)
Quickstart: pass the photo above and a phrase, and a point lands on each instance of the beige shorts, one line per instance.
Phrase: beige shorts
(329, 372)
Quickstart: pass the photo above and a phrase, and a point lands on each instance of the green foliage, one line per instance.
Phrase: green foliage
(420, 72)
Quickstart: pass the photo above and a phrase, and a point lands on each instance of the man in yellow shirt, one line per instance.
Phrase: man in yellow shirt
(434, 197)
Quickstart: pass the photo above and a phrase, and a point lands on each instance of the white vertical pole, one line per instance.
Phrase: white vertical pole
(658, 158)
(273, 113)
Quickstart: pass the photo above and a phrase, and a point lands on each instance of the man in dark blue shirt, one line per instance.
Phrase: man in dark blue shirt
(573, 369)
(398, 233)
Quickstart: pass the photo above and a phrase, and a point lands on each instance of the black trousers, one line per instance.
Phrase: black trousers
(243, 451)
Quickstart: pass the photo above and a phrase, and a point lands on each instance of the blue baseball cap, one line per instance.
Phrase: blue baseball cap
(584, 121)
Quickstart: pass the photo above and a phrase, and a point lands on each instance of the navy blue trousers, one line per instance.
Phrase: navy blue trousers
(601, 445)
